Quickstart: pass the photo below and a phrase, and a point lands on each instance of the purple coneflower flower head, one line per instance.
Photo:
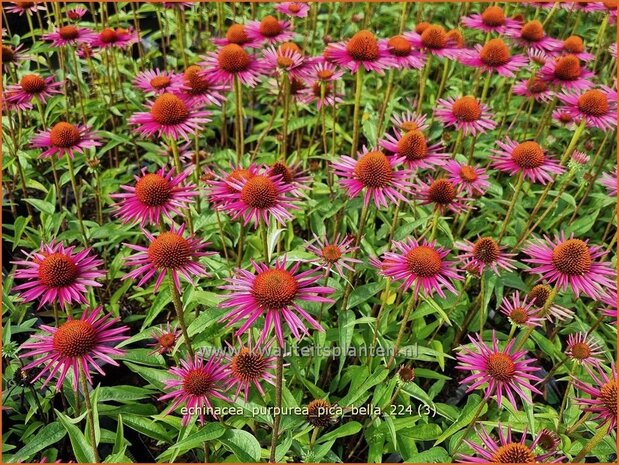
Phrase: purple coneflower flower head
(290, 175)
(441, 193)
(323, 71)
(473, 180)
(169, 253)
(65, 139)
(362, 49)
(521, 311)
(422, 266)
(232, 61)
(158, 82)
(171, 116)
(609, 181)
(574, 45)
(76, 13)
(154, 196)
(602, 401)
(494, 56)
(69, 35)
(583, 349)
(598, 107)
(610, 299)
(578, 159)
(256, 198)
(12, 55)
(332, 254)
(293, 9)
(119, 38)
(376, 174)
(165, 339)
(250, 366)
(534, 87)
(76, 345)
(504, 372)
(571, 263)
(236, 34)
(508, 450)
(485, 253)
(269, 30)
(492, 19)
(532, 36)
(222, 189)
(56, 273)
(538, 57)
(401, 53)
(435, 40)
(29, 8)
(201, 88)
(612, 49)
(274, 293)
(466, 113)
(564, 118)
(315, 92)
(527, 159)
(539, 295)
(566, 72)
(33, 86)
(287, 58)
(410, 121)
(195, 383)
(414, 148)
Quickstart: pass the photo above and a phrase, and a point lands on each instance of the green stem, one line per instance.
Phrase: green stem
(178, 306)
(278, 402)
(356, 122)
(265, 247)
(238, 96)
(512, 204)
(470, 425)
(422, 82)
(599, 436)
(286, 86)
(78, 199)
(91, 419)
(396, 347)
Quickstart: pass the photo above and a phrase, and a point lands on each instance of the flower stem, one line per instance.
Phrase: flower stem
(286, 86)
(178, 306)
(78, 199)
(238, 96)
(601, 433)
(471, 424)
(265, 247)
(542, 313)
(435, 218)
(356, 122)
(91, 419)
(422, 82)
(512, 204)
(278, 402)
(398, 341)
(387, 97)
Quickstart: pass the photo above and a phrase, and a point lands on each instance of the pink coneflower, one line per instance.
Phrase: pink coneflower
(33, 86)
(472, 179)
(332, 254)
(441, 194)
(402, 55)
(598, 107)
(603, 395)
(65, 139)
(323, 71)
(290, 175)
(269, 30)
(29, 8)
(257, 198)
(76, 345)
(527, 158)
(610, 299)
(421, 265)
(567, 73)
(158, 82)
(521, 312)
(375, 173)
(69, 35)
(571, 263)
(538, 57)
(316, 93)
(532, 36)
(221, 189)
(201, 88)
(505, 373)
(273, 292)
(12, 55)
(76, 13)
(609, 181)
(236, 34)
(574, 45)
(171, 116)
(494, 56)
(612, 49)
(232, 61)
(564, 118)
(410, 121)
(249, 366)
(466, 113)
(579, 159)
(168, 253)
(492, 19)
(286, 58)
(507, 450)
(119, 38)
(58, 274)
(195, 383)
(434, 39)
(485, 253)
(293, 9)
(539, 295)
(583, 349)
(414, 148)
(154, 196)
(362, 49)
(534, 87)
(165, 339)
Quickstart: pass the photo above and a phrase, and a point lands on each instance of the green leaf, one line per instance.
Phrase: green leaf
(242, 444)
(347, 429)
(45, 437)
(466, 416)
(209, 432)
(81, 448)
(120, 443)
(147, 427)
